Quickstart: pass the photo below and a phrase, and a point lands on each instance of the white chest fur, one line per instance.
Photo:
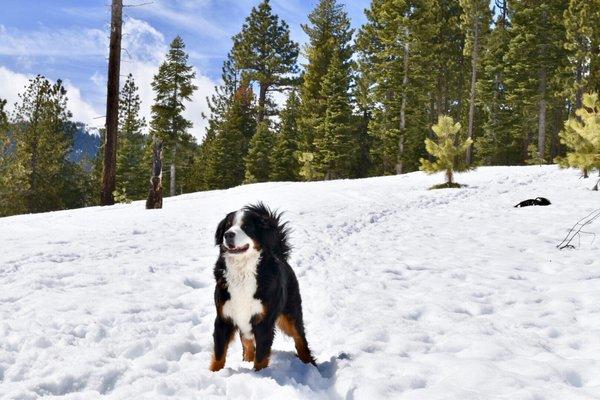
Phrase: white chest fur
(241, 285)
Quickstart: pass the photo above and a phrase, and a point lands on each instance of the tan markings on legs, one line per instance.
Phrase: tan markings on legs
(248, 348)
(288, 326)
(262, 364)
(218, 364)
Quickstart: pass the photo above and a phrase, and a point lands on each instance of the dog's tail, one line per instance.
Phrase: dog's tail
(272, 222)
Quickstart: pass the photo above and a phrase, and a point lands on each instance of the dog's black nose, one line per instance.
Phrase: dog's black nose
(229, 235)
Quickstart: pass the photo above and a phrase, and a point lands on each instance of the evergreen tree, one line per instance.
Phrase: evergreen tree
(265, 54)
(229, 144)
(328, 33)
(448, 150)
(475, 21)
(206, 161)
(582, 136)
(335, 145)
(398, 48)
(5, 143)
(535, 59)
(307, 166)
(219, 102)
(43, 141)
(496, 145)
(284, 157)
(258, 162)
(132, 170)
(4, 140)
(173, 86)
(449, 64)
(364, 105)
(582, 34)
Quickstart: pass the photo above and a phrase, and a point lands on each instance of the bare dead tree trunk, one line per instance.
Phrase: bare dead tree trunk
(542, 114)
(155, 194)
(112, 105)
(474, 61)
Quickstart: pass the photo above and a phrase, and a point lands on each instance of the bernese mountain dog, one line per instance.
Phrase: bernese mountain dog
(256, 289)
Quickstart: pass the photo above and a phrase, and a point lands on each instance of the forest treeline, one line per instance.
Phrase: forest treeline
(363, 102)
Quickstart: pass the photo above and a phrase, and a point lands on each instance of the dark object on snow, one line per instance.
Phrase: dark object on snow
(538, 201)
(155, 194)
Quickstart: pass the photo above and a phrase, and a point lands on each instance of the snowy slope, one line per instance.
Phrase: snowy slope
(408, 294)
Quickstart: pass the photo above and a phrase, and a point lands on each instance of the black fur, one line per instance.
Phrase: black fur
(538, 201)
(277, 287)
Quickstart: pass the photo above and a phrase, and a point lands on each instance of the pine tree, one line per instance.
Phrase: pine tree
(363, 101)
(398, 51)
(335, 145)
(132, 166)
(475, 21)
(229, 145)
(258, 162)
(5, 160)
(173, 86)
(265, 54)
(206, 160)
(496, 145)
(219, 102)
(43, 142)
(582, 136)
(448, 150)
(4, 140)
(328, 33)
(582, 26)
(308, 169)
(535, 59)
(284, 157)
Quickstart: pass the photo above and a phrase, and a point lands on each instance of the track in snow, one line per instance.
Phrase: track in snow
(408, 293)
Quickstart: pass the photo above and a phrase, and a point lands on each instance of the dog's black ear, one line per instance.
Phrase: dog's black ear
(221, 231)
(268, 229)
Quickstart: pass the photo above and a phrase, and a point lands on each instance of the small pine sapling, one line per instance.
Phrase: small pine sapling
(582, 137)
(448, 150)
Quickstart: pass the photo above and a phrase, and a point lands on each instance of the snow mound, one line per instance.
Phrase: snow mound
(407, 293)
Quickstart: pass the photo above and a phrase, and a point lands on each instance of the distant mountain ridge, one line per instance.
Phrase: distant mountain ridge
(86, 143)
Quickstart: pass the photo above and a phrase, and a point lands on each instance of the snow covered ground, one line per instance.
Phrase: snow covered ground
(408, 294)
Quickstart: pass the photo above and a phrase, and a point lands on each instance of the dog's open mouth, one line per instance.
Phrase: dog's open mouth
(237, 250)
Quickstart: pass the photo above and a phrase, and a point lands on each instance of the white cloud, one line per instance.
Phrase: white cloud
(13, 83)
(53, 42)
(191, 19)
(144, 48)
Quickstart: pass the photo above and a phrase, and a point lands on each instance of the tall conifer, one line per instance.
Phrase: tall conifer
(335, 145)
(265, 54)
(258, 161)
(329, 33)
(173, 86)
(284, 157)
(43, 142)
(132, 171)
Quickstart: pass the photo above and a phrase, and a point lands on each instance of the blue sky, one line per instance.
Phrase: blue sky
(68, 39)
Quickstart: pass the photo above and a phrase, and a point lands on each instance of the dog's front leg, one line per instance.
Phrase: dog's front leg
(222, 335)
(264, 332)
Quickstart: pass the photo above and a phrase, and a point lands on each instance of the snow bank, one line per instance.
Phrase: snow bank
(408, 294)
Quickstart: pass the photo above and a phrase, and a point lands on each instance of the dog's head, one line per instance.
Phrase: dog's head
(253, 228)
